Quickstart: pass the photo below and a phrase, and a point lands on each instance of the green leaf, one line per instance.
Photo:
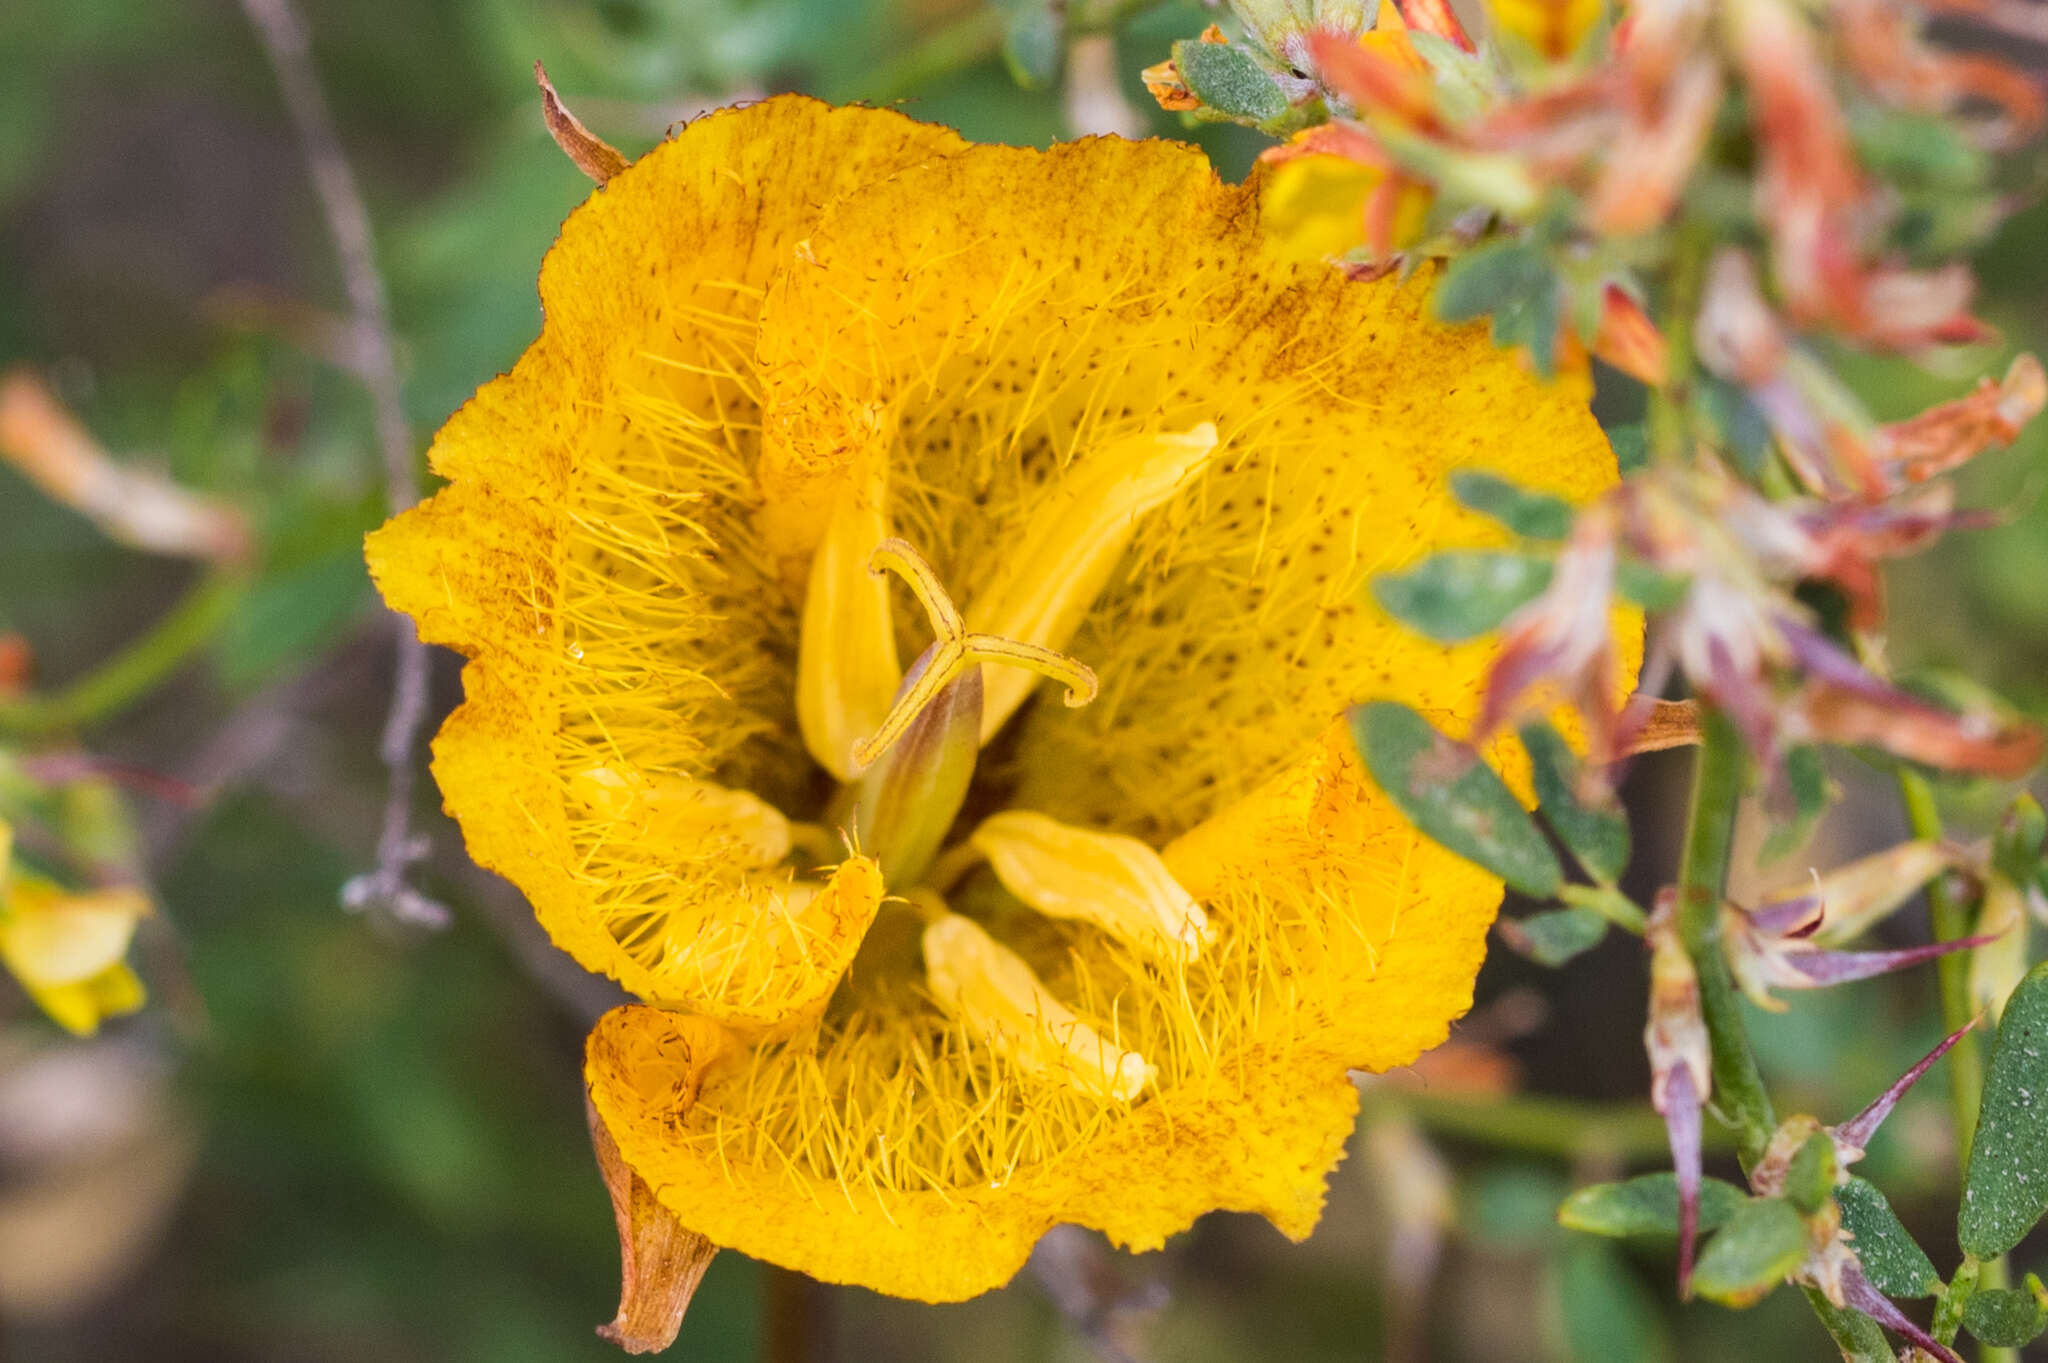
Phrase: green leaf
(2006, 1189)
(2008, 1317)
(1596, 833)
(1513, 282)
(1647, 1205)
(1631, 446)
(1810, 1175)
(1742, 428)
(1764, 1240)
(1033, 44)
(1807, 782)
(1229, 80)
(1512, 1207)
(1645, 586)
(1607, 1314)
(1555, 937)
(1532, 515)
(2016, 849)
(1488, 278)
(1892, 1260)
(1855, 1334)
(1453, 797)
(1462, 593)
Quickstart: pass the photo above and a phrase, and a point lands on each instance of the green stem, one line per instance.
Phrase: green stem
(1670, 401)
(136, 670)
(1951, 919)
(1738, 1096)
(1556, 1128)
(1950, 916)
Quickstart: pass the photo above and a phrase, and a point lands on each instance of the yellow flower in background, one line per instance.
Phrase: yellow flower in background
(67, 948)
(842, 436)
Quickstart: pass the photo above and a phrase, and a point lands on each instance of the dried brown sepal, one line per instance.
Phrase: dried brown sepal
(1163, 82)
(1919, 732)
(594, 156)
(1946, 436)
(137, 507)
(1664, 724)
(661, 1261)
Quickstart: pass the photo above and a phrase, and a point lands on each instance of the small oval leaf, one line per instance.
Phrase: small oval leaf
(1229, 80)
(1647, 1205)
(2006, 1189)
(1764, 1240)
(1532, 515)
(1605, 1311)
(2007, 1318)
(1462, 593)
(1555, 937)
(1453, 797)
(1596, 832)
(1892, 1260)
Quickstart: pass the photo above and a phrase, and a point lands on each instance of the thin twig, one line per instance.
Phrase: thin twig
(278, 24)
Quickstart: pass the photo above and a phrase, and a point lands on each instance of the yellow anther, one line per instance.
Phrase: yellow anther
(667, 808)
(846, 671)
(954, 651)
(1116, 883)
(1071, 545)
(990, 989)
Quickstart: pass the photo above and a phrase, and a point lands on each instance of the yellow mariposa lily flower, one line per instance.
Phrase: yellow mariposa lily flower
(936, 956)
(66, 948)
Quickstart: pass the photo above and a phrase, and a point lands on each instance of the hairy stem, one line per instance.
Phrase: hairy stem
(1738, 1097)
(138, 669)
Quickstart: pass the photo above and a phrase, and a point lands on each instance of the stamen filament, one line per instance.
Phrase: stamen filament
(1117, 883)
(1070, 547)
(846, 650)
(991, 989)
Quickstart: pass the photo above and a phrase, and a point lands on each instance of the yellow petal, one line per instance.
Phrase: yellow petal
(603, 553)
(80, 1007)
(1051, 328)
(1315, 204)
(1066, 553)
(678, 810)
(49, 937)
(1115, 882)
(1379, 932)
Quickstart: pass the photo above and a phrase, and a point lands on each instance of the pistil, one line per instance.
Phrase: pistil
(920, 760)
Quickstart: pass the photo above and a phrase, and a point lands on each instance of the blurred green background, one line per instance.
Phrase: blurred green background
(335, 1138)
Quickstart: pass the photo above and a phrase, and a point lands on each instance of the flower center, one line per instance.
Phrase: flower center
(906, 751)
